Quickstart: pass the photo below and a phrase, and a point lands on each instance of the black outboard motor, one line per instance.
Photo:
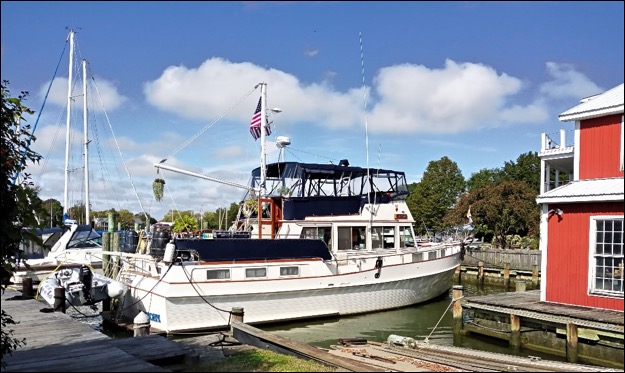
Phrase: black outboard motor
(86, 277)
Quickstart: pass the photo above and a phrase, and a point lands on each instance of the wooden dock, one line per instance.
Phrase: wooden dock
(580, 334)
(368, 356)
(57, 343)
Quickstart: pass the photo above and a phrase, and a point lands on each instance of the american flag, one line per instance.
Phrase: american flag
(255, 123)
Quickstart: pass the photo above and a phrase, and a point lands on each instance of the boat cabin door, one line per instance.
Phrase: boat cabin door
(269, 217)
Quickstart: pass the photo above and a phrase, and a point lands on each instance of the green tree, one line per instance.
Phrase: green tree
(504, 209)
(126, 218)
(526, 169)
(436, 193)
(78, 213)
(52, 215)
(185, 223)
(484, 177)
(15, 198)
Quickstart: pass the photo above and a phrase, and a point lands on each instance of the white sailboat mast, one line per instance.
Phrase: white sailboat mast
(263, 136)
(86, 138)
(69, 111)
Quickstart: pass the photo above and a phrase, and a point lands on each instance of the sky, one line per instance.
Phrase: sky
(392, 85)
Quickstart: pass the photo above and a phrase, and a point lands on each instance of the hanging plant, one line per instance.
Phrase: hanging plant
(157, 187)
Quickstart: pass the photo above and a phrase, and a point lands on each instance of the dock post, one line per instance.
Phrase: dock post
(237, 315)
(59, 300)
(534, 274)
(506, 274)
(106, 245)
(456, 292)
(27, 287)
(571, 343)
(115, 247)
(141, 325)
(480, 273)
(520, 285)
(515, 332)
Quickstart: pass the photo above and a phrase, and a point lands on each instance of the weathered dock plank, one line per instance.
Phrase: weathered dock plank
(528, 304)
(56, 342)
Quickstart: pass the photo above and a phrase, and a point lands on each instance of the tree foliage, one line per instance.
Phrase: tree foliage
(502, 209)
(526, 169)
(484, 177)
(16, 197)
(437, 192)
(185, 223)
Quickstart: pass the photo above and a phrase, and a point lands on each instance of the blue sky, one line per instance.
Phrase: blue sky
(477, 82)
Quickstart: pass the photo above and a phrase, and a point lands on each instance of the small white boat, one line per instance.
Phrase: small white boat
(82, 287)
(75, 245)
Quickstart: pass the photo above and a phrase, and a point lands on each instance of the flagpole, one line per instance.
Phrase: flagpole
(263, 122)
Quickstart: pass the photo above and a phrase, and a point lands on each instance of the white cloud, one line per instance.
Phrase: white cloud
(568, 83)
(405, 98)
(456, 98)
(104, 92)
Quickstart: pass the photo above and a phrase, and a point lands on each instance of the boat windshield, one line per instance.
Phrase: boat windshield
(82, 239)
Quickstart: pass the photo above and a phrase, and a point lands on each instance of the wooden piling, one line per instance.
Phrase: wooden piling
(480, 273)
(515, 331)
(106, 264)
(27, 287)
(571, 343)
(520, 285)
(237, 315)
(115, 247)
(506, 274)
(59, 300)
(457, 295)
(534, 274)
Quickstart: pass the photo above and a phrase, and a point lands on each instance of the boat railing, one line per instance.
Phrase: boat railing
(132, 261)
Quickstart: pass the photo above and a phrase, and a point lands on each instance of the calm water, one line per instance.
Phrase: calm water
(432, 321)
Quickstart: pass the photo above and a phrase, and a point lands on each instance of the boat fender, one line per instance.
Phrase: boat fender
(170, 250)
(115, 289)
(408, 342)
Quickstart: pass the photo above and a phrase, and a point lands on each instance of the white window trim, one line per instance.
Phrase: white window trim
(592, 236)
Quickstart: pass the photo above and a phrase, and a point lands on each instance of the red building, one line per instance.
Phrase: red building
(581, 225)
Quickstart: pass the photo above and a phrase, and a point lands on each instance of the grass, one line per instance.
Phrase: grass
(259, 360)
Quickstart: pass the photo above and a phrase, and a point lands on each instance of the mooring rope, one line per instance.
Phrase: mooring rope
(427, 339)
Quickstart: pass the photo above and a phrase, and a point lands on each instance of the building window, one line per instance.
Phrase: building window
(607, 258)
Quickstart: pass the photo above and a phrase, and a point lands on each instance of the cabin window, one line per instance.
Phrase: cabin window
(351, 238)
(218, 274)
(289, 271)
(376, 238)
(406, 239)
(320, 233)
(383, 237)
(607, 256)
(255, 272)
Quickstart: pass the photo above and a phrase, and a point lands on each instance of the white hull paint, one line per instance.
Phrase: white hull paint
(177, 307)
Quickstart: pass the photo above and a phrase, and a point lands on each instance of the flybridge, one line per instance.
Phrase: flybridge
(294, 179)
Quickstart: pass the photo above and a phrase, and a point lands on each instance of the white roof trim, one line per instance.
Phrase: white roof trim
(607, 103)
(593, 190)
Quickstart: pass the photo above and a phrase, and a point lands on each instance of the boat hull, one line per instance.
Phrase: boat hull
(172, 308)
